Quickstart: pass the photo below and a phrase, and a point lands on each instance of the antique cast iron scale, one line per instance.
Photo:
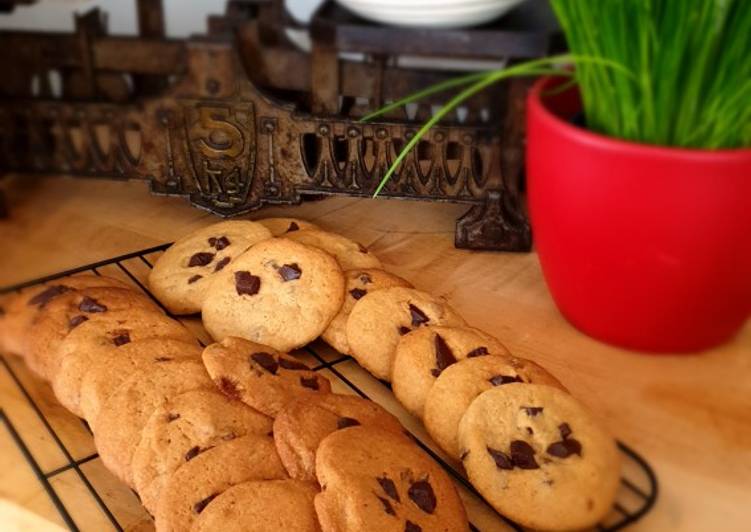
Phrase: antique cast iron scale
(242, 117)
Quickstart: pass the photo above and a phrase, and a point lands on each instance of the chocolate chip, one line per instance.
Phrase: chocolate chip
(121, 339)
(309, 382)
(194, 279)
(478, 352)
(290, 272)
(221, 264)
(293, 365)
(386, 505)
(389, 487)
(498, 380)
(565, 448)
(163, 359)
(247, 284)
(421, 493)
(362, 248)
(344, 422)
(565, 430)
(266, 361)
(409, 526)
(523, 455)
(532, 411)
(502, 460)
(443, 356)
(229, 388)
(47, 295)
(172, 417)
(404, 330)
(192, 453)
(418, 316)
(365, 278)
(75, 321)
(200, 259)
(91, 305)
(357, 293)
(219, 243)
(293, 227)
(530, 431)
(201, 505)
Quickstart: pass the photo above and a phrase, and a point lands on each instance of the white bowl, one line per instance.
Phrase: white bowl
(430, 13)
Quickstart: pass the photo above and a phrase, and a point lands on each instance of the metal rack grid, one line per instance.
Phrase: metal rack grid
(637, 495)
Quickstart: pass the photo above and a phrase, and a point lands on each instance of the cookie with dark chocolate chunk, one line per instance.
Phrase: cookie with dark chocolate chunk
(283, 226)
(301, 426)
(181, 429)
(260, 376)
(349, 254)
(182, 275)
(373, 479)
(456, 387)
(279, 293)
(378, 320)
(539, 457)
(424, 353)
(197, 482)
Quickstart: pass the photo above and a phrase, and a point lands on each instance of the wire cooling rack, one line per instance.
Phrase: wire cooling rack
(50, 455)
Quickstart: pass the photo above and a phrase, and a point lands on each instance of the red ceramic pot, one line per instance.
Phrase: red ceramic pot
(642, 246)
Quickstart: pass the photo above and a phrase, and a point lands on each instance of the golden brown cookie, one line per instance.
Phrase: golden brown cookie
(261, 506)
(350, 254)
(539, 457)
(424, 353)
(262, 378)
(379, 319)
(183, 275)
(279, 293)
(359, 283)
(377, 480)
(301, 426)
(282, 226)
(183, 428)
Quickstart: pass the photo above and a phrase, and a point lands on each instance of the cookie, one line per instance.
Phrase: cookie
(377, 480)
(123, 416)
(303, 424)
(282, 226)
(539, 457)
(183, 275)
(261, 506)
(379, 319)
(350, 254)
(424, 353)
(103, 338)
(110, 369)
(279, 293)
(197, 482)
(359, 283)
(19, 309)
(264, 379)
(183, 428)
(62, 315)
(457, 386)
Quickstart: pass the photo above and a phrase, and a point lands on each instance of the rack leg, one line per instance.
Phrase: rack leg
(497, 225)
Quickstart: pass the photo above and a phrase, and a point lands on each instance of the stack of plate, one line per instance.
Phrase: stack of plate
(430, 13)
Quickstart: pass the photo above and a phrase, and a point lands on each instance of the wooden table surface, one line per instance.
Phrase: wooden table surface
(689, 416)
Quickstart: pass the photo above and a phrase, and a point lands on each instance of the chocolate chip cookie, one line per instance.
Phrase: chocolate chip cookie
(182, 276)
(379, 319)
(123, 416)
(95, 339)
(110, 369)
(456, 388)
(259, 376)
(350, 254)
(539, 457)
(279, 293)
(301, 426)
(377, 480)
(261, 506)
(359, 283)
(183, 428)
(282, 226)
(424, 353)
(200, 480)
